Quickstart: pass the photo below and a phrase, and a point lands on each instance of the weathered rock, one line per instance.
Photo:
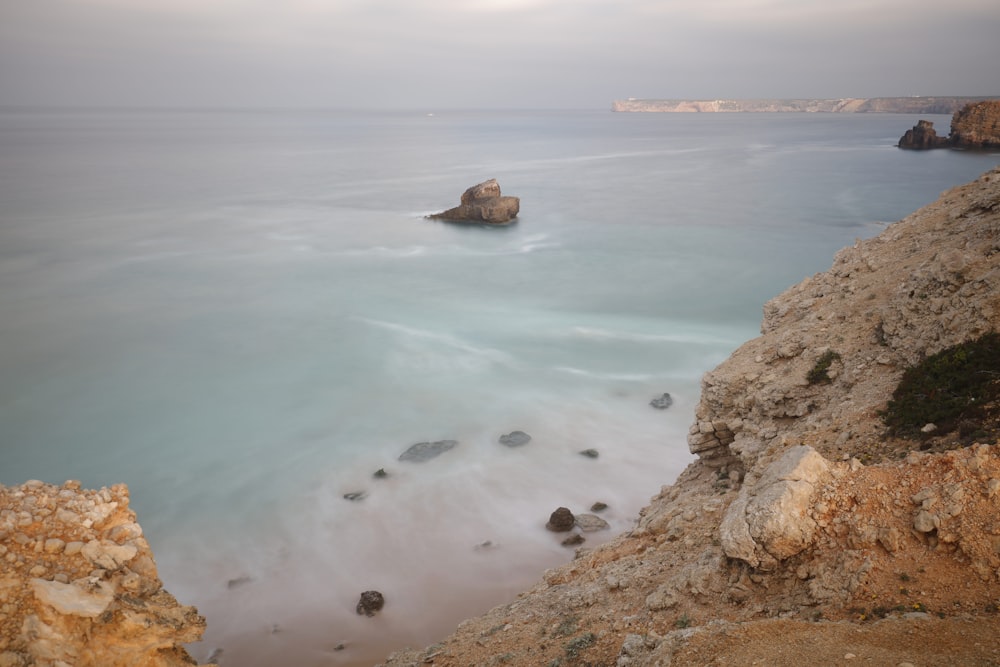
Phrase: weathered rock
(380, 474)
(590, 522)
(483, 203)
(662, 402)
(573, 540)
(370, 603)
(78, 584)
(355, 496)
(769, 521)
(425, 451)
(598, 507)
(922, 136)
(515, 439)
(561, 520)
(590, 453)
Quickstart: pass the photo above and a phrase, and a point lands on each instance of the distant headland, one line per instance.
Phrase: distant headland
(925, 105)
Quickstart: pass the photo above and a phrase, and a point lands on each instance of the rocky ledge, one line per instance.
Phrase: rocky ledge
(975, 126)
(805, 532)
(483, 203)
(78, 584)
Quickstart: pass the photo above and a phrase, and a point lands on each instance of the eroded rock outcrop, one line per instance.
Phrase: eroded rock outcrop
(483, 203)
(78, 584)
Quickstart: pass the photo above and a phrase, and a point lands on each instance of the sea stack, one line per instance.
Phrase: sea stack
(483, 203)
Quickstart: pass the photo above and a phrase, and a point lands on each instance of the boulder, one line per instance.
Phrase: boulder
(561, 521)
(371, 603)
(770, 521)
(588, 523)
(483, 203)
(425, 451)
(922, 136)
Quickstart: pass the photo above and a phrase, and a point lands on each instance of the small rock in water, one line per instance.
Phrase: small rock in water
(425, 451)
(355, 496)
(590, 522)
(561, 521)
(573, 540)
(589, 453)
(515, 439)
(238, 581)
(380, 474)
(488, 544)
(662, 402)
(598, 507)
(371, 603)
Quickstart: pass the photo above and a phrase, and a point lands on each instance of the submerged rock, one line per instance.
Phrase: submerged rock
(662, 402)
(589, 453)
(425, 451)
(515, 439)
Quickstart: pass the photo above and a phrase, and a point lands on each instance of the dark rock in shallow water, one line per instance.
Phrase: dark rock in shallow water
(598, 507)
(561, 520)
(355, 496)
(515, 439)
(662, 402)
(371, 603)
(238, 581)
(589, 453)
(380, 474)
(425, 451)
(573, 540)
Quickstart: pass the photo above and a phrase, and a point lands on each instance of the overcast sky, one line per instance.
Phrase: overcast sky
(427, 54)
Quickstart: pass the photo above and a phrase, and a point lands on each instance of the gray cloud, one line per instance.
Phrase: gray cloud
(487, 53)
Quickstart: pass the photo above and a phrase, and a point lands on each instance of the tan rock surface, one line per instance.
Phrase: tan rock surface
(901, 563)
(78, 584)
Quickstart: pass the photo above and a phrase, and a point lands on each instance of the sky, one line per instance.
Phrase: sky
(475, 54)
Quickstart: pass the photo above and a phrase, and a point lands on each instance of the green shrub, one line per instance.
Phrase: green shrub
(819, 374)
(954, 388)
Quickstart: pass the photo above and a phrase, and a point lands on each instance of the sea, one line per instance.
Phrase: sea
(244, 314)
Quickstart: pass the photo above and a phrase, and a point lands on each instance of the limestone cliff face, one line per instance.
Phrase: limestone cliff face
(977, 126)
(779, 523)
(78, 584)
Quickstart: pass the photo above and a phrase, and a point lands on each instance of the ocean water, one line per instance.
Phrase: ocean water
(244, 314)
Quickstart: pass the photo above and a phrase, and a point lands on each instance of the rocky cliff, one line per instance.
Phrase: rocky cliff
(805, 532)
(78, 584)
(925, 105)
(977, 126)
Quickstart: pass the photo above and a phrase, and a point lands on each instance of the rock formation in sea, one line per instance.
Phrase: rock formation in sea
(78, 584)
(483, 202)
(974, 126)
(922, 136)
(806, 530)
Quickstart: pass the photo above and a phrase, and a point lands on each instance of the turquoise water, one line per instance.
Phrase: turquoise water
(243, 315)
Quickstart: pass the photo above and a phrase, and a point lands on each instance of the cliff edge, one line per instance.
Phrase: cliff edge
(78, 584)
(806, 532)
